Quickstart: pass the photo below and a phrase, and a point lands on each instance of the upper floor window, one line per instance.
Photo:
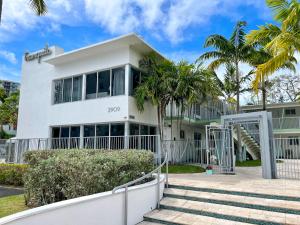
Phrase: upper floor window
(105, 83)
(68, 90)
(289, 112)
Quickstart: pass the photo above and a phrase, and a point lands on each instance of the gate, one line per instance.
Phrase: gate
(220, 149)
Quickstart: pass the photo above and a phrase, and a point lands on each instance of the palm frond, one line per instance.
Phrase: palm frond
(279, 7)
(219, 42)
(39, 6)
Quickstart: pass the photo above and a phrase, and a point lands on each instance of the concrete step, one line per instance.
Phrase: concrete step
(273, 205)
(226, 212)
(263, 193)
(171, 217)
(148, 223)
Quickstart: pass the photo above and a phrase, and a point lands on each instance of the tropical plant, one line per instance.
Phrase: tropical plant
(229, 51)
(228, 85)
(9, 110)
(280, 42)
(261, 56)
(38, 6)
(233, 51)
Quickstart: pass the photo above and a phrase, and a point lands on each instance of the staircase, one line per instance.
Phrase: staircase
(204, 205)
(249, 141)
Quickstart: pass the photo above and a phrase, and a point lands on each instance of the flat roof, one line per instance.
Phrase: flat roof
(132, 39)
(271, 106)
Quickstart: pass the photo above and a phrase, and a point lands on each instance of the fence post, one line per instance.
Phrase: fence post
(126, 206)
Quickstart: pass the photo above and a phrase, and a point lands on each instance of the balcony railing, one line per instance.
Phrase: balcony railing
(286, 123)
(205, 111)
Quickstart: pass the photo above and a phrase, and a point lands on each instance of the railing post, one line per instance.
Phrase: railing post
(158, 189)
(167, 173)
(126, 206)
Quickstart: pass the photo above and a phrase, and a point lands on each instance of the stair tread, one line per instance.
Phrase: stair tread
(148, 223)
(276, 193)
(186, 218)
(248, 213)
(237, 198)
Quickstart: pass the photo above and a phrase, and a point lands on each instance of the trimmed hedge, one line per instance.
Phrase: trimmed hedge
(12, 174)
(64, 174)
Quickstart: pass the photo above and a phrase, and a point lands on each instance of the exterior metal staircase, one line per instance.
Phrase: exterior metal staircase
(206, 205)
(250, 138)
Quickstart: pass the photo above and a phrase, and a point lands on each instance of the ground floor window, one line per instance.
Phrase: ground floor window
(105, 136)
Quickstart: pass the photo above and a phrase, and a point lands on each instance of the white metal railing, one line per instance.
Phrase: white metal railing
(286, 123)
(204, 111)
(186, 151)
(15, 148)
(287, 152)
(125, 186)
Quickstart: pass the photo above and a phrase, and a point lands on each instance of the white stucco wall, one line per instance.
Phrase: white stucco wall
(188, 129)
(37, 113)
(103, 208)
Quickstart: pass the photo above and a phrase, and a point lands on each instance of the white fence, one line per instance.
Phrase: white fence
(286, 123)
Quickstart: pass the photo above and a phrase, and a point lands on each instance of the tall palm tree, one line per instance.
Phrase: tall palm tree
(279, 42)
(38, 6)
(229, 51)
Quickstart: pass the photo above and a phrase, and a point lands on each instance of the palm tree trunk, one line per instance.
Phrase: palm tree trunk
(264, 94)
(238, 127)
(1, 4)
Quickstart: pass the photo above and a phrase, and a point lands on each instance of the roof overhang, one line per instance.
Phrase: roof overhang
(131, 40)
(271, 106)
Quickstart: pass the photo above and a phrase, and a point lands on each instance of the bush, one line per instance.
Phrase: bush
(64, 174)
(12, 174)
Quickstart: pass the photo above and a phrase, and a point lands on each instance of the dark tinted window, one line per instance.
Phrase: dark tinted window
(144, 130)
(91, 85)
(89, 131)
(65, 132)
(152, 130)
(102, 130)
(77, 88)
(117, 130)
(103, 83)
(135, 80)
(134, 129)
(75, 131)
(55, 132)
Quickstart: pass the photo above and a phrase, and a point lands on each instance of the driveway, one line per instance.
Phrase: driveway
(7, 191)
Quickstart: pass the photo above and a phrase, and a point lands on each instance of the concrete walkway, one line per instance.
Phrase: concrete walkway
(246, 179)
(8, 191)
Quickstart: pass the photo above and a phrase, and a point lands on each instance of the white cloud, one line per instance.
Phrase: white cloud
(9, 56)
(163, 18)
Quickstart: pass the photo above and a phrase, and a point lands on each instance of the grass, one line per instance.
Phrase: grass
(252, 163)
(12, 204)
(184, 169)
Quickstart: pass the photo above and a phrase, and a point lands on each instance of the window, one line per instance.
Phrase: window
(135, 78)
(144, 130)
(134, 129)
(290, 112)
(65, 132)
(102, 130)
(68, 90)
(58, 87)
(91, 85)
(118, 81)
(77, 88)
(117, 130)
(55, 132)
(89, 131)
(75, 131)
(65, 137)
(103, 83)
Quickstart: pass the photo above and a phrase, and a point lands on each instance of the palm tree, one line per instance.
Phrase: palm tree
(38, 6)
(279, 42)
(229, 51)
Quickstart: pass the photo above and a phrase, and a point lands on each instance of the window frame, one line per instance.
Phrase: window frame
(62, 90)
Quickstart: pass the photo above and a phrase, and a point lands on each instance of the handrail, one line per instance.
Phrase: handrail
(158, 171)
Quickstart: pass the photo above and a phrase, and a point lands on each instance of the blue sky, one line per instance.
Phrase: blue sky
(177, 28)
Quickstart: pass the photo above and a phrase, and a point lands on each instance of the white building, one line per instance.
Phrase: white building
(86, 94)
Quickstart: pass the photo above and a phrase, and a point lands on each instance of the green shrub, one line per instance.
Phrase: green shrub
(12, 174)
(63, 174)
